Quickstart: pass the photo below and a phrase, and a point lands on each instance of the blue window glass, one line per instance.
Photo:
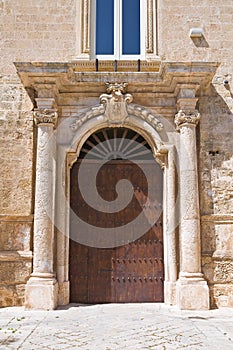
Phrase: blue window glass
(104, 27)
(131, 27)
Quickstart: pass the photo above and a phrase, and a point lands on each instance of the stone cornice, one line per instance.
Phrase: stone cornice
(162, 79)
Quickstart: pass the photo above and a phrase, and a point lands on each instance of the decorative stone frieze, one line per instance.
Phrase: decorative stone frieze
(111, 66)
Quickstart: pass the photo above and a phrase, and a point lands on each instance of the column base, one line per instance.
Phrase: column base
(192, 292)
(63, 293)
(41, 293)
(170, 293)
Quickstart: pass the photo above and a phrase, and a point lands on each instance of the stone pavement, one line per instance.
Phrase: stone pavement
(116, 326)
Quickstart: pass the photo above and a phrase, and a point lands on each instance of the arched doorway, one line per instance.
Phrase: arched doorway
(116, 256)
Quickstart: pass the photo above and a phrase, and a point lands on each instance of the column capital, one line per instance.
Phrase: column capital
(187, 117)
(45, 117)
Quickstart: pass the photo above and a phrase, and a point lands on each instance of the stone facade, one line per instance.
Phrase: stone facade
(181, 74)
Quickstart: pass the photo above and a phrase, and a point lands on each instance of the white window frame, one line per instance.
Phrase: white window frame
(118, 34)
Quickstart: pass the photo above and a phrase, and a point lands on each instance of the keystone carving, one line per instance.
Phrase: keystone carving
(115, 102)
(187, 117)
(45, 116)
(116, 106)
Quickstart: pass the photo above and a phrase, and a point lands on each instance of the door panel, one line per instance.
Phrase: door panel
(134, 271)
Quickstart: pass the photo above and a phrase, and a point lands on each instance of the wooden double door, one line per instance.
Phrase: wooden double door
(133, 270)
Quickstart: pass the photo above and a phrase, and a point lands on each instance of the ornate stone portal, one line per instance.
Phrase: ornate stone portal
(58, 149)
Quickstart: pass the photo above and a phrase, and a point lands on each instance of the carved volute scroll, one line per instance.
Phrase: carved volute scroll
(187, 112)
(161, 158)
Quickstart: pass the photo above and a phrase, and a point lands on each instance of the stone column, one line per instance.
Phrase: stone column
(170, 231)
(62, 227)
(192, 291)
(41, 289)
(165, 157)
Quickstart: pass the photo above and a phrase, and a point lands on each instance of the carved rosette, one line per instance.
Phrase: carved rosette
(184, 117)
(46, 117)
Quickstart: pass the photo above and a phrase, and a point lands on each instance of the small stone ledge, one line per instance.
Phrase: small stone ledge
(116, 66)
(15, 255)
(216, 218)
(16, 218)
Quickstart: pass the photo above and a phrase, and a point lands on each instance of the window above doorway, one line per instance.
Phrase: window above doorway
(119, 30)
(116, 29)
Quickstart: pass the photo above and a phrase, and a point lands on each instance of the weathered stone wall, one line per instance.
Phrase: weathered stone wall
(216, 125)
(45, 30)
(29, 30)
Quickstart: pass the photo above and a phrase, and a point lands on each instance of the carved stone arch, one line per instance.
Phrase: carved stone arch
(150, 128)
(98, 123)
(116, 110)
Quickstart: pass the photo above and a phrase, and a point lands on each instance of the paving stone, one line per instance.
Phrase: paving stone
(115, 327)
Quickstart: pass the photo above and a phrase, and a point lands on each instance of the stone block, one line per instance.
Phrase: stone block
(15, 235)
(192, 295)
(12, 272)
(221, 295)
(12, 295)
(41, 294)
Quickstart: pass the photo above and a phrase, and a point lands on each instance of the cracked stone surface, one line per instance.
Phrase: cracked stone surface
(116, 326)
